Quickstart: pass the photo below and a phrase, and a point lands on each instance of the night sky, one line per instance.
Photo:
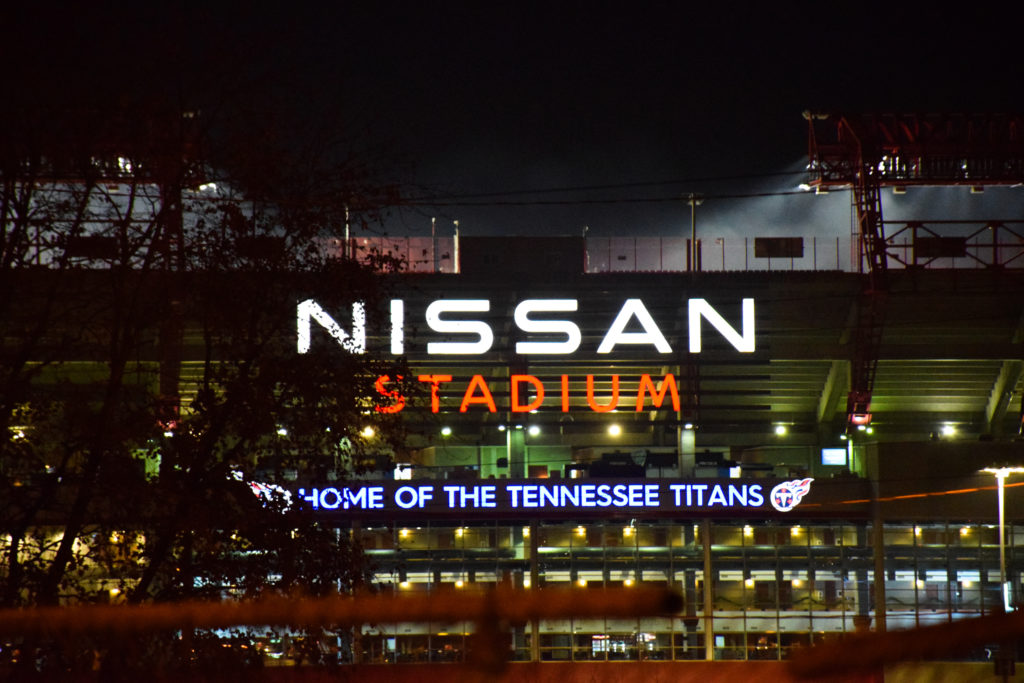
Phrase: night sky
(605, 111)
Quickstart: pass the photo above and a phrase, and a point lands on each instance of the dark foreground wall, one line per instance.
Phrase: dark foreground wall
(624, 672)
(605, 672)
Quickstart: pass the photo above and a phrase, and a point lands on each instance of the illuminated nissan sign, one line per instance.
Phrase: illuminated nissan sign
(464, 335)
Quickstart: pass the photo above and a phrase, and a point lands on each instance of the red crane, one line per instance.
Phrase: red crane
(870, 151)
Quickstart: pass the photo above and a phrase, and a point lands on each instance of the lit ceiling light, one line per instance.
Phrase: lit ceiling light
(948, 430)
(780, 430)
(281, 431)
(502, 428)
(367, 432)
(446, 431)
(534, 430)
(688, 426)
(614, 430)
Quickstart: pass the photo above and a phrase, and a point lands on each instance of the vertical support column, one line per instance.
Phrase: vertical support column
(878, 550)
(1001, 501)
(862, 620)
(687, 449)
(515, 442)
(534, 585)
(709, 592)
(690, 619)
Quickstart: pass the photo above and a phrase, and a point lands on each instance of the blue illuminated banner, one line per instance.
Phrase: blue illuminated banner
(538, 497)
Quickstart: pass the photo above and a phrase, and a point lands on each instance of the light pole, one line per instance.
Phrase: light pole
(1001, 473)
(694, 201)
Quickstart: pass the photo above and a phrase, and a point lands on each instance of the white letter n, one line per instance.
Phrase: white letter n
(744, 343)
(309, 310)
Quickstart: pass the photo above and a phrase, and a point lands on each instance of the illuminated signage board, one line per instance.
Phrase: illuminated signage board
(542, 328)
(463, 335)
(552, 498)
(477, 392)
(833, 456)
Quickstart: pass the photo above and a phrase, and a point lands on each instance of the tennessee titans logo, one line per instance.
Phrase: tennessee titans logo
(788, 494)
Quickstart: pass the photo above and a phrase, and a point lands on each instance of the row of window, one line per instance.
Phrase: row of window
(629, 534)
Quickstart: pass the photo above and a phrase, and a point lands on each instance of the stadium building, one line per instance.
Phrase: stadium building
(819, 442)
(580, 424)
(806, 439)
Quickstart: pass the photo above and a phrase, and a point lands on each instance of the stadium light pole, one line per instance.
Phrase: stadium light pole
(694, 200)
(1001, 473)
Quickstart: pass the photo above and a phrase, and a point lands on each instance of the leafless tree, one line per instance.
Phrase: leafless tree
(150, 266)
